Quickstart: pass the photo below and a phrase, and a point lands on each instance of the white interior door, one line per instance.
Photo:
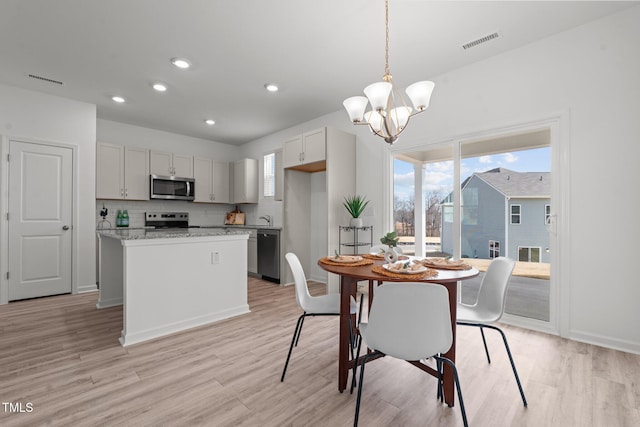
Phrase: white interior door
(40, 208)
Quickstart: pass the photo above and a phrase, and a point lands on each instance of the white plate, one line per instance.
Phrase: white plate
(346, 259)
(377, 254)
(419, 270)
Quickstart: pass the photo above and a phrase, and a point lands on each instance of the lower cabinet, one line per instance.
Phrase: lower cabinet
(252, 252)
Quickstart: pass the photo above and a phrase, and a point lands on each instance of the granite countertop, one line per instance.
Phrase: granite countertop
(142, 234)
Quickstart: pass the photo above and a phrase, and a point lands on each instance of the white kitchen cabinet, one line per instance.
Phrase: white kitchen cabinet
(170, 164)
(252, 252)
(121, 172)
(279, 178)
(212, 180)
(245, 181)
(306, 152)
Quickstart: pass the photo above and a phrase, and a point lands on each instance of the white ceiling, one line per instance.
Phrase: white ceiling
(318, 51)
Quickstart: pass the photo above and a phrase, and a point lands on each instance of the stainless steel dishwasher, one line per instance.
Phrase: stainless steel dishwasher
(269, 254)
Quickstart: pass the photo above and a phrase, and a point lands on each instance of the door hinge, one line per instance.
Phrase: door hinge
(8, 157)
(7, 216)
(7, 275)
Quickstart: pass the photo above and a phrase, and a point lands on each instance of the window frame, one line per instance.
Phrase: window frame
(512, 214)
(269, 181)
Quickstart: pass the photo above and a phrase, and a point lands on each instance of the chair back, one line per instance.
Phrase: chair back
(303, 297)
(493, 289)
(410, 321)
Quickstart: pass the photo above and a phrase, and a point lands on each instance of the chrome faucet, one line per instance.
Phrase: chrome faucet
(267, 218)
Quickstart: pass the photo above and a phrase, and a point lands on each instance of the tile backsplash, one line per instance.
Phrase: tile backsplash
(199, 213)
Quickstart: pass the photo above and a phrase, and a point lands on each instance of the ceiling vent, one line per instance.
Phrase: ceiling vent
(480, 41)
(44, 79)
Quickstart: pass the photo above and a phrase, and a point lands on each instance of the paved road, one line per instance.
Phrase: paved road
(525, 297)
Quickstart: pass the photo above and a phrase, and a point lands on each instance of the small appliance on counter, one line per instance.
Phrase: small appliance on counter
(235, 217)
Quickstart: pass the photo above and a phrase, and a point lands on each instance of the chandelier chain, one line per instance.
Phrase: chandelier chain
(386, 49)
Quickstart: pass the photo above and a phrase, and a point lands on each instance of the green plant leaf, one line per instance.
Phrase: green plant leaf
(355, 205)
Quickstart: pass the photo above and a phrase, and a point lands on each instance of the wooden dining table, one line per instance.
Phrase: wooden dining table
(350, 275)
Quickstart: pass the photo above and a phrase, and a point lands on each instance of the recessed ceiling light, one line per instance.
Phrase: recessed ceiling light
(271, 87)
(181, 62)
(210, 122)
(118, 99)
(159, 87)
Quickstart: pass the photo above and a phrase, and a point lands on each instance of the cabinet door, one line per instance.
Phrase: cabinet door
(220, 182)
(202, 173)
(109, 171)
(136, 173)
(252, 253)
(279, 178)
(292, 151)
(160, 163)
(314, 144)
(183, 166)
(245, 181)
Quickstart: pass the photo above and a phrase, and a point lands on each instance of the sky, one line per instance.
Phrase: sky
(439, 175)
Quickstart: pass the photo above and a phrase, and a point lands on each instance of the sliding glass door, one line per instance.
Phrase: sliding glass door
(483, 199)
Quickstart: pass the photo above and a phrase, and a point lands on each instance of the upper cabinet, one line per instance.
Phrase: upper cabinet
(171, 164)
(306, 152)
(121, 172)
(212, 180)
(245, 181)
(278, 193)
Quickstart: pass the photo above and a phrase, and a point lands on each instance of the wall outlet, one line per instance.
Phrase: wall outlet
(215, 258)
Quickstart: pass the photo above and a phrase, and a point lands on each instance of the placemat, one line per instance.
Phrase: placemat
(424, 275)
(327, 260)
(444, 265)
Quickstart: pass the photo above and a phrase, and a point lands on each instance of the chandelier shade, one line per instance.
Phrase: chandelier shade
(389, 114)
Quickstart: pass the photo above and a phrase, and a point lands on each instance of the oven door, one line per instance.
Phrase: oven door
(172, 188)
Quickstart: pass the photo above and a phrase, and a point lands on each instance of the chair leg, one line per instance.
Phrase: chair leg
(294, 340)
(440, 394)
(457, 381)
(300, 329)
(513, 365)
(364, 361)
(506, 346)
(484, 341)
(355, 366)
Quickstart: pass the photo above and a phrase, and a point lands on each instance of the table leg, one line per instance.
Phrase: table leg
(347, 289)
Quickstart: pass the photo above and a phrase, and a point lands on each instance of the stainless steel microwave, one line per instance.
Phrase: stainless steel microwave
(172, 188)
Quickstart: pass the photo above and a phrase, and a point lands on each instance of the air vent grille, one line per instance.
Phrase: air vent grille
(480, 41)
(45, 79)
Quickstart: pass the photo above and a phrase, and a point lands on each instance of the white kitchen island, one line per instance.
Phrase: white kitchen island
(173, 280)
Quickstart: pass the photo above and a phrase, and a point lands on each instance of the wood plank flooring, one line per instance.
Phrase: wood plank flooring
(61, 355)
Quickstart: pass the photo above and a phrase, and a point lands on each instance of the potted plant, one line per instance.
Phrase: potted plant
(391, 240)
(355, 205)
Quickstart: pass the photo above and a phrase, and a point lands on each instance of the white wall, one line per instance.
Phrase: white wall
(33, 116)
(589, 77)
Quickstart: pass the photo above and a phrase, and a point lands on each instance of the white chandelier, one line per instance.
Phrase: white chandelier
(389, 113)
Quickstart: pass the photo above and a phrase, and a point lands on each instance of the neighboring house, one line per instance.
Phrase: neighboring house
(504, 213)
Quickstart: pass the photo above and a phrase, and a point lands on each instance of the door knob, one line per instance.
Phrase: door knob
(65, 227)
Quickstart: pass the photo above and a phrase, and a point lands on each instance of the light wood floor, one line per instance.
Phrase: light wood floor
(62, 355)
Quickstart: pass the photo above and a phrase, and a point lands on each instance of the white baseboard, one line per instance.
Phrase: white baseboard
(603, 341)
(140, 336)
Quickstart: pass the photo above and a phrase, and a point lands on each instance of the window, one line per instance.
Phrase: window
(547, 214)
(269, 175)
(529, 254)
(494, 249)
(515, 214)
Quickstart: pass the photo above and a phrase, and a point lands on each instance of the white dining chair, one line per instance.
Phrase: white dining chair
(324, 305)
(409, 321)
(489, 307)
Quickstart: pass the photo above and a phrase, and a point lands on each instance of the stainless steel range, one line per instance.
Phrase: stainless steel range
(165, 220)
